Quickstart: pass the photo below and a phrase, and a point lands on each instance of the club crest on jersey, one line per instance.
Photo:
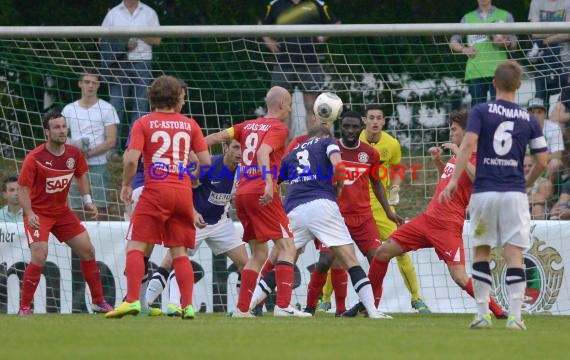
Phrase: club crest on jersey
(58, 184)
(70, 163)
(363, 157)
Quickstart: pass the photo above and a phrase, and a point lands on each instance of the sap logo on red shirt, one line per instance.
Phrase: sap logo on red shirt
(448, 171)
(57, 184)
(353, 171)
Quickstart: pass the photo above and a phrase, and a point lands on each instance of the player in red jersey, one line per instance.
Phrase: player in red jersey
(164, 213)
(315, 121)
(258, 204)
(441, 225)
(359, 159)
(44, 185)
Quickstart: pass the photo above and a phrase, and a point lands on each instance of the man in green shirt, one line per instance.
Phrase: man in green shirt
(483, 52)
(12, 212)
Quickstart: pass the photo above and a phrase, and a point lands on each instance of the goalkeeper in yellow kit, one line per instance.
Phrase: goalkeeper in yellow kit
(390, 155)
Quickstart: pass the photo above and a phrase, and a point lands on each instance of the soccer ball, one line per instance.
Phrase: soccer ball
(327, 107)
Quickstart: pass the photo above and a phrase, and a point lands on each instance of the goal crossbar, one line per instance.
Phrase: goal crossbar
(233, 31)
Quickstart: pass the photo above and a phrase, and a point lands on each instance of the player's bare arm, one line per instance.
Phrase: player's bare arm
(339, 171)
(26, 204)
(199, 220)
(218, 137)
(196, 172)
(83, 187)
(204, 158)
(394, 198)
(130, 161)
(468, 145)
(469, 168)
(540, 163)
(263, 163)
(435, 152)
(380, 194)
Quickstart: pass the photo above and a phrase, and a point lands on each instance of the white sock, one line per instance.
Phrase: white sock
(173, 290)
(155, 286)
(259, 294)
(361, 284)
(482, 282)
(516, 285)
(366, 296)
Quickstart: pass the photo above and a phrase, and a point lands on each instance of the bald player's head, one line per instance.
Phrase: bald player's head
(278, 101)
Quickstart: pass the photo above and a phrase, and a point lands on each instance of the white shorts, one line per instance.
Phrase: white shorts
(220, 238)
(136, 195)
(319, 219)
(499, 218)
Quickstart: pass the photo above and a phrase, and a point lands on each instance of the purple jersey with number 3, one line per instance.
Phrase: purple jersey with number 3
(309, 172)
(504, 130)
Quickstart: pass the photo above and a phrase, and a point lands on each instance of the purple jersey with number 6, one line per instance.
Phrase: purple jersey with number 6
(504, 130)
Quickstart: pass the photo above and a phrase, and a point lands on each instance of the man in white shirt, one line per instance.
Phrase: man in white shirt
(93, 127)
(552, 133)
(131, 74)
(551, 52)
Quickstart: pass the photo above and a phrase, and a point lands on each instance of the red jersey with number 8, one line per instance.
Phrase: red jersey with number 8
(251, 135)
(165, 140)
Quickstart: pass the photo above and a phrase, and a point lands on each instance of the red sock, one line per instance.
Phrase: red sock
(184, 278)
(376, 274)
(495, 308)
(339, 278)
(92, 277)
(248, 282)
(29, 284)
(315, 287)
(284, 277)
(267, 267)
(134, 270)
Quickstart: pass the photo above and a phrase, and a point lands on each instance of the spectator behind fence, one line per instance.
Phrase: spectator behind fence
(539, 194)
(553, 135)
(298, 58)
(484, 52)
(550, 52)
(129, 61)
(12, 212)
(93, 127)
(561, 210)
(561, 115)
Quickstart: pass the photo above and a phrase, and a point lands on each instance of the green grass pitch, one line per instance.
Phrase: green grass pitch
(214, 336)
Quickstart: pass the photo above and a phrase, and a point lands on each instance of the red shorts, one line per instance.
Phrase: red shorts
(427, 232)
(262, 223)
(164, 215)
(321, 247)
(364, 232)
(64, 227)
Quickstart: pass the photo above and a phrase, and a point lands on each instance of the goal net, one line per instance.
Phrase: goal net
(413, 74)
